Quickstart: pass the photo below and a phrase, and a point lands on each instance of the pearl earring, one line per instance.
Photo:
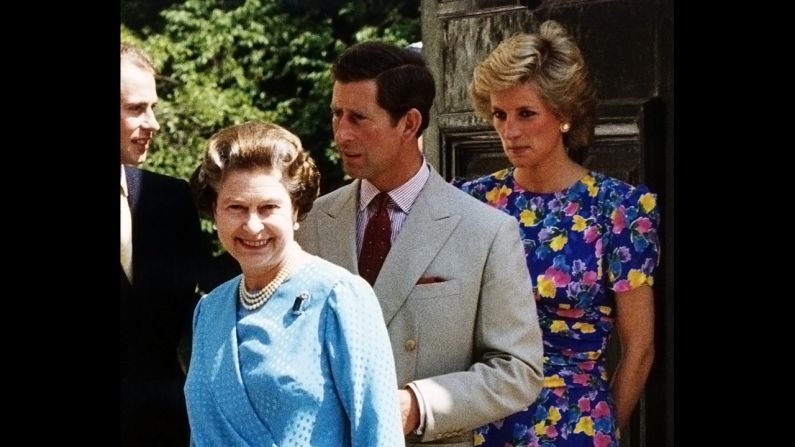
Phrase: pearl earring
(296, 226)
(564, 127)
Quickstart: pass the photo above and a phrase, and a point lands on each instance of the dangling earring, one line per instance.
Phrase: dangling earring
(296, 226)
(564, 127)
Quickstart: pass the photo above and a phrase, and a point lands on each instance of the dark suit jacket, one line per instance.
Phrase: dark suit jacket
(156, 309)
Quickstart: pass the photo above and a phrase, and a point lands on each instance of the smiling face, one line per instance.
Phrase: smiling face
(138, 122)
(254, 216)
(370, 144)
(528, 128)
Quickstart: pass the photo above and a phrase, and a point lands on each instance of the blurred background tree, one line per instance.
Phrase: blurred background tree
(223, 62)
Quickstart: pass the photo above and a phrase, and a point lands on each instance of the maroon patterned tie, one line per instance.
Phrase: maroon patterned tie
(376, 243)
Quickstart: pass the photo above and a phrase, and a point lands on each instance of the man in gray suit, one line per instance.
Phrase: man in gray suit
(454, 286)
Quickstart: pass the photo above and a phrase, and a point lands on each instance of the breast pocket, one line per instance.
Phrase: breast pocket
(436, 290)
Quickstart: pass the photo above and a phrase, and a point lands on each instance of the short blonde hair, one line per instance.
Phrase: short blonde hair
(552, 62)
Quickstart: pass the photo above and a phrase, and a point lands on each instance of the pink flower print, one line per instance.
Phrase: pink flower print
(571, 313)
(558, 391)
(643, 225)
(619, 223)
(584, 403)
(598, 248)
(622, 286)
(589, 277)
(582, 379)
(601, 410)
(571, 208)
(552, 432)
(602, 440)
(587, 365)
(591, 234)
(562, 279)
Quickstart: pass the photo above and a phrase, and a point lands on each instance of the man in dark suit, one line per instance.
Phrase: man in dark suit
(160, 252)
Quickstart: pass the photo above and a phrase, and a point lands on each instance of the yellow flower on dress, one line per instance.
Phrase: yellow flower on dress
(605, 310)
(559, 326)
(546, 286)
(585, 328)
(553, 382)
(558, 242)
(554, 414)
(527, 218)
(479, 438)
(590, 182)
(501, 174)
(648, 202)
(496, 195)
(540, 428)
(578, 223)
(584, 425)
(636, 278)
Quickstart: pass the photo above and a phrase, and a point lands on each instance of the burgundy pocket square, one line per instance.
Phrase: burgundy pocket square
(429, 280)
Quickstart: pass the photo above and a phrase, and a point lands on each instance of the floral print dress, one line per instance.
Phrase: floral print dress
(597, 236)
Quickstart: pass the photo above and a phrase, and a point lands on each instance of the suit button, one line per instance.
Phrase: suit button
(410, 345)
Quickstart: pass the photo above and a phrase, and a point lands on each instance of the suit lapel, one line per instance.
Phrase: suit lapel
(338, 230)
(425, 231)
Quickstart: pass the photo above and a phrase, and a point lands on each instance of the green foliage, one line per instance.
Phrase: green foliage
(223, 62)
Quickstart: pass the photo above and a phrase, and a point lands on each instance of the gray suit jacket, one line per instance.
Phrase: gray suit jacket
(471, 343)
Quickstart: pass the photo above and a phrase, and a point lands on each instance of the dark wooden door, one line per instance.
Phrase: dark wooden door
(629, 48)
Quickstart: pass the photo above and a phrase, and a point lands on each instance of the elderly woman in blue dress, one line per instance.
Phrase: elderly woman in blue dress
(590, 242)
(294, 351)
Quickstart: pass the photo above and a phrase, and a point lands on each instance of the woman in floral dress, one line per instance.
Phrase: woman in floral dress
(590, 241)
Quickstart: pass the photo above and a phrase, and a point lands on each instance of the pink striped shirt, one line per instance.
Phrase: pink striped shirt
(403, 198)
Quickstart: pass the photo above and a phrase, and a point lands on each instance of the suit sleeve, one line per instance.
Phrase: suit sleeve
(189, 262)
(508, 371)
(192, 245)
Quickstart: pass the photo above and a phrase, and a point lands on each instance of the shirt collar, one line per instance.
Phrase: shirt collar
(404, 195)
(123, 182)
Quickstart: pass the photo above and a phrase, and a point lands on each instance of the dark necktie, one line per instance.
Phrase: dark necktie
(126, 236)
(376, 243)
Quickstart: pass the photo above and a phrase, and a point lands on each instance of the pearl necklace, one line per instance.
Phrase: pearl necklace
(252, 301)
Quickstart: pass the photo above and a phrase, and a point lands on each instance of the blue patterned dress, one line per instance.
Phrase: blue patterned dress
(324, 377)
(597, 236)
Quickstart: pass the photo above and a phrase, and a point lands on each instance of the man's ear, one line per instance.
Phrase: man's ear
(412, 120)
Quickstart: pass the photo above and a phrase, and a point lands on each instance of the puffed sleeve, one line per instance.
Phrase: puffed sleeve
(634, 249)
(476, 188)
(362, 364)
